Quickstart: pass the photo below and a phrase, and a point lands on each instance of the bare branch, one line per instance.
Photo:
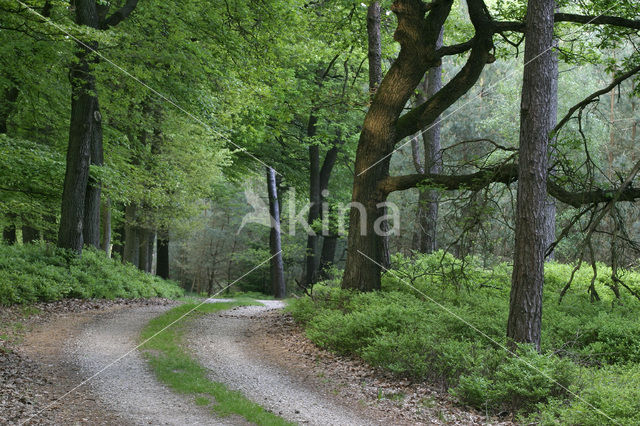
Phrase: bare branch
(586, 101)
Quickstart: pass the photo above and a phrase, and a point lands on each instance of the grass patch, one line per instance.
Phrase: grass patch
(175, 367)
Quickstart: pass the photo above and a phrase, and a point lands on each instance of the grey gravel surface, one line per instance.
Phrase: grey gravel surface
(129, 387)
(219, 342)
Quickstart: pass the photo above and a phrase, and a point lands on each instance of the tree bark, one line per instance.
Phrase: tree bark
(328, 254)
(374, 42)
(525, 306)
(277, 265)
(131, 243)
(84, 113)
(550, 205)
(311, 264)
(330, 238)
(380, 132)
(10, 97)
(106, 227)
(374, 46)
(162, 268)
(29, 234)
(9, 232)
(144, 237)
(91, 224)
(425, 240)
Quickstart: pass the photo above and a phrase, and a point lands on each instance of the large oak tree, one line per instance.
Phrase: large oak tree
(386, 124)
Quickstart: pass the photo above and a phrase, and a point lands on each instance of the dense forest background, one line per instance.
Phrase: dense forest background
(193, 98)
(447, 148)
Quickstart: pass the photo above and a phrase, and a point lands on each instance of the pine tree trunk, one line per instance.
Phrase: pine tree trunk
(550, 206)
(525, 307)
(277, 266)
(84, 115)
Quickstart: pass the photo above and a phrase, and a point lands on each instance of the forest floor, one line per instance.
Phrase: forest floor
(47, 352)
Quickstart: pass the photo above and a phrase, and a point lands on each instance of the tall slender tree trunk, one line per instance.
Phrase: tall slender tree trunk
(118, 243)
(275, 247)
(106, 227)
(525, 306)
(550, 206)
(146, 243)
(330, 237)
(425, 240)
(143, 249)
(162, 268)
(151, 252)
(84, 115)
(131, 243)
(311, 264)
(91, 224)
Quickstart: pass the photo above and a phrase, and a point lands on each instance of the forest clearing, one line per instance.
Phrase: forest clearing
(319, 212)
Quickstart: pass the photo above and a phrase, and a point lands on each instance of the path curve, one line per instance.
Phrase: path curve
(129, 387)
(220, 343)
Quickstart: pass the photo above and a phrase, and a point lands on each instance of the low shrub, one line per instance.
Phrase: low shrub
(418, 326)
(39, 272)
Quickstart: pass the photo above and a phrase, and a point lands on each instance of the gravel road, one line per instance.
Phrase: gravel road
(129, 387)
(219, 341)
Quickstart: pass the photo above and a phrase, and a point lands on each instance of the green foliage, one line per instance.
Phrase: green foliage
(32, 273)
(418, 326)
(163, 339)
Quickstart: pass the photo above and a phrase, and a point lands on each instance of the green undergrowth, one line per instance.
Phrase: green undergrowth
(175, 367)
(422, 331)
(42, 273)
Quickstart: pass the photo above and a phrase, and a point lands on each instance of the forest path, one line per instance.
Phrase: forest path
(222, 342)
(258, 350)
(76, 347)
